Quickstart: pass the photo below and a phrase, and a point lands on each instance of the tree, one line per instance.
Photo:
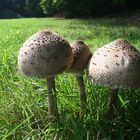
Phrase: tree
(24, 7)
(48, 6)
(32, 8)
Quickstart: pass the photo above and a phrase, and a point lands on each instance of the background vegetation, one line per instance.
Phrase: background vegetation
(23, 101)
(65, 8)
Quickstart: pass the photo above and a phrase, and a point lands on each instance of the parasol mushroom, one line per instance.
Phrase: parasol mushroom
(82, 55)
(44, 55)
(115, 65)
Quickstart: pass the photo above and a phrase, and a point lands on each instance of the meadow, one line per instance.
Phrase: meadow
(23, 101)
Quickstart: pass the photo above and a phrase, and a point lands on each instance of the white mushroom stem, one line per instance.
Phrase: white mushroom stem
(112, 102)
(52, 101)
(82, 94)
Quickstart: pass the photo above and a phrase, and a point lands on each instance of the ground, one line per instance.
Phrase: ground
(23, 101)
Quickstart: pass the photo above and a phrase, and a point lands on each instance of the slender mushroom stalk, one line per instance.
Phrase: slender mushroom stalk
(82, 94)
(82, 55)
(115, 65)
(52, 101)
(112, 103)
(44, 55)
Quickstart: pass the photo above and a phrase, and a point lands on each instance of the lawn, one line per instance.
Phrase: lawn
(23, 101)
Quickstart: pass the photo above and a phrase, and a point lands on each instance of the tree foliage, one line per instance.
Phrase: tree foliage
(48, 6)
(70, 8)
(26, 8)
(85, 7)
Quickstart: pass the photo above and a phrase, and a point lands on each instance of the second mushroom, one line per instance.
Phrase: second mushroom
(82, 55)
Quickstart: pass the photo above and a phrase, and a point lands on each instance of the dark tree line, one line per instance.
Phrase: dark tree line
(26, 8)
(86, 7)
(70, 8)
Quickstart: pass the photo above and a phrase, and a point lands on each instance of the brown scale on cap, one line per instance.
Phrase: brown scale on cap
(122, 62)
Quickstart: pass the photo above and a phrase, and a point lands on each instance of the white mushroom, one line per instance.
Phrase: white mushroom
(115, 65)
(82, 55)
(44, 55)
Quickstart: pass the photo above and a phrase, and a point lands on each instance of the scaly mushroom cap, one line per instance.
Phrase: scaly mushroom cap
(44, 54)
(116, 65)
(82, 55)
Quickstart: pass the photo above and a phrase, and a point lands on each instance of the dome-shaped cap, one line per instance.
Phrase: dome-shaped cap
(45, 54)
(116, 65)
(82, 55)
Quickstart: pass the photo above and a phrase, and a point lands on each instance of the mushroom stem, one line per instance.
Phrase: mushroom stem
(112, 102)
(52, 101)
(82, 94)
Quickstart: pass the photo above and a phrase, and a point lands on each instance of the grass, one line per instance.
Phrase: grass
(23, 101)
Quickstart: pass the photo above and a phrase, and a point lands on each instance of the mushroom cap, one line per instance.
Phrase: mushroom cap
(116, 65)
(82, 55)
(44, 54)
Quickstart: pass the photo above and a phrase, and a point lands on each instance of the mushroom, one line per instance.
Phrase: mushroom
(115, 65)
(82, 55)
(44, 55)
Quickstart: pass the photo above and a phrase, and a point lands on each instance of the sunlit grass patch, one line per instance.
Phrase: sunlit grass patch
(23, 101)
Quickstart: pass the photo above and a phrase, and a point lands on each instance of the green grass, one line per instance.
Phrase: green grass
(23, 101)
